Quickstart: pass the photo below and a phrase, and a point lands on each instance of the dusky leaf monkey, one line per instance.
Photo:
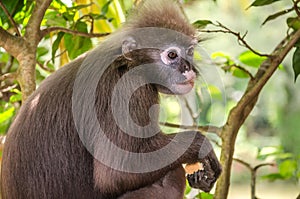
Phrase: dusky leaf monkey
(91, 128)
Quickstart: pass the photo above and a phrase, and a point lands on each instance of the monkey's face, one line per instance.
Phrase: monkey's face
(177, 70)
(169, 67)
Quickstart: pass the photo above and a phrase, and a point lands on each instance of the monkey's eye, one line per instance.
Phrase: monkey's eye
(172, 54)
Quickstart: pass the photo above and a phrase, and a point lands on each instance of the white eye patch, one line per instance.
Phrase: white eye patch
(164, 55)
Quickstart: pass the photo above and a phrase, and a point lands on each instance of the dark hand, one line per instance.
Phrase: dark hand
(206, 178)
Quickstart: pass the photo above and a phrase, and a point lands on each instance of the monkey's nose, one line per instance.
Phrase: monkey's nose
(185, 66)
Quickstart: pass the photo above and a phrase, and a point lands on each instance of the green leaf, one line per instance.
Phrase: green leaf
(41, 51)
(236, 72)
(276, 15)
(204, 195)
(251, 59)
(296, 63)
(98, 16)
(55, 45)
(5, 119)
(54, 18)
(200, 24)
(76, 45)
(81, 6)
(287, 168)
(263, 2)
(273, 177)
(6, 115)
(16, 97)
(293, 22)
(105, 8)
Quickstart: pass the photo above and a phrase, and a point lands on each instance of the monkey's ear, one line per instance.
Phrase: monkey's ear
(128, 45)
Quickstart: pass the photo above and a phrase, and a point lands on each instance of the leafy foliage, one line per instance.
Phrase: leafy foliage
(288, 164)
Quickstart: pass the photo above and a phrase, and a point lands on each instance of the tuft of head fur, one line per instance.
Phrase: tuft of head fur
(161, 14)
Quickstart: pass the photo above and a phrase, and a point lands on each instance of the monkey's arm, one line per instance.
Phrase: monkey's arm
(202, 151)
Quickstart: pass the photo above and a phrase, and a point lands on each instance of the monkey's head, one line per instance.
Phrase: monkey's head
(160, 37)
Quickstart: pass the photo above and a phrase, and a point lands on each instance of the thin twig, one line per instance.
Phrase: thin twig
(243, 163)
(9, 64)
(216, 143)
(11, 20)
(44, 67)
(296, 7)
(7, 88)
(91, 18)
(46, 31)
(6, 76)
(212, 129)
(263, 165)
(240, 68)
(240, 38)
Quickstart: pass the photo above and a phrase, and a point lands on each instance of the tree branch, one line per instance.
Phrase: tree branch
(12, 21)
(46, 31)
(32, 34)
(10, 43)
(241, 111)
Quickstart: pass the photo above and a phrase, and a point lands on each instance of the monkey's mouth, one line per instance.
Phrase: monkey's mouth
(190, 77)
(185, 86)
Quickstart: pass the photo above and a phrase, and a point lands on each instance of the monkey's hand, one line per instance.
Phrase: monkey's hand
(205, 178)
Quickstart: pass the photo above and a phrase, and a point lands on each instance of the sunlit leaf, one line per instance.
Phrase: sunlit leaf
(287, 168)
(188, 189)
(204, 195)
(6, 115)
(251, 59)
(296, 63)
(220, 54)
(15, 98)
(202, 23)
(237, 72)
(5, 119)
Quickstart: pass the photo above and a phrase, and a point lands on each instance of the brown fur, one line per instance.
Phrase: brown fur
(162, 14)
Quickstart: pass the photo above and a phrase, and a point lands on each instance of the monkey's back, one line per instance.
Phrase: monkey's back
(42, 144)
